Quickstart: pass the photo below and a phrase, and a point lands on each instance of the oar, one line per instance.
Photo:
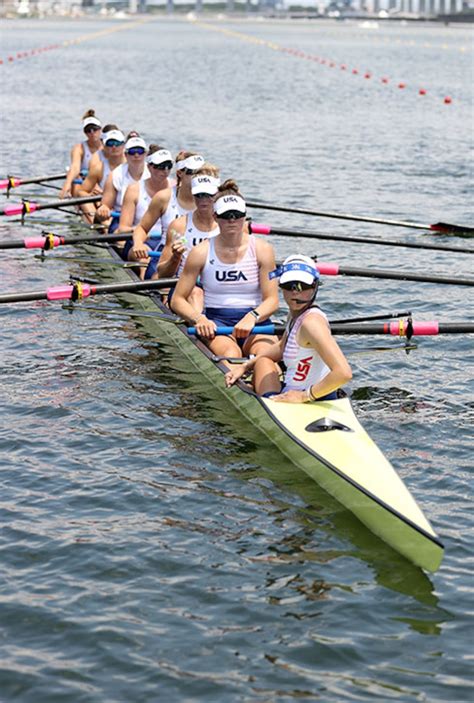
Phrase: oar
(329, 269)
(80, 290)
(48, 240)
(445, 227)
(267, 229)
(400, 328)
(26, 207)
(11, 182)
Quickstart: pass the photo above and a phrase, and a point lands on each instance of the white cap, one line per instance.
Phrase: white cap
(159, 157)
(230, 202)
(205, 184)
(90, 120)
(113, 134)
(135, 141)
(192, 162)
(299, 268)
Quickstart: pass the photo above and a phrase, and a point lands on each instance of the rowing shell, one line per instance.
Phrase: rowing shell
(325, 439)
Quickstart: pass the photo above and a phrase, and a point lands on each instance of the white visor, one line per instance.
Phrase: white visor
(192, 162)
(159, 157)
(135, 141)
(90, 120)
(205, 184)
(113, 134)
(299, 271)
(230, 202)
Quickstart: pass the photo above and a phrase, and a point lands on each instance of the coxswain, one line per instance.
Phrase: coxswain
(315, 365)
(233, 269)
(100, 166)
(82, 152)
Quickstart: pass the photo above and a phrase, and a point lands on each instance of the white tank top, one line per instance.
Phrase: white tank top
(121, 179)
(172, 211)
(193, 236)
(144, 200)
(105, 170)
(304, 366)
(86, 156)
(231, 285)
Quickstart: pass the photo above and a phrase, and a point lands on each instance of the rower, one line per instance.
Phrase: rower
(101, 163)
(82, 152)
(147, 200)
(187, 164)
(315, 365)
(233, 269)
(189, 230)
(131, 171)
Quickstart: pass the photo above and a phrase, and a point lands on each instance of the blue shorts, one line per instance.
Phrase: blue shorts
(154, 243)
(228, 317)
(114, 225)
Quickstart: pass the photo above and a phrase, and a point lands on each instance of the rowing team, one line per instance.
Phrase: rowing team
(226, 276)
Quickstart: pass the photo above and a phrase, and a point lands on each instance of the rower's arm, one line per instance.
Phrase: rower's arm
(149, 219)
(74, 169)
(188, 279)
(129, 205)
(315, 332)
(92, 179)
(173, 249)
(269, 288)
(110, 194)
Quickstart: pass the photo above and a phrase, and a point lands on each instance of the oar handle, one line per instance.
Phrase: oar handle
(258, 329)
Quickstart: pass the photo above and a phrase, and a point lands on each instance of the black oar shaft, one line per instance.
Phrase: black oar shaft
(456, 280)
(64, 292)
(437, 227)
(67, 202)
(366, 240)
(387, 328)
(338, 215)
(42, 179)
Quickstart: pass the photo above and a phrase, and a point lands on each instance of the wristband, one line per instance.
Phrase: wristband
(255, 314)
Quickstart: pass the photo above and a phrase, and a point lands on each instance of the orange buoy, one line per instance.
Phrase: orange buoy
(402, 85)
(422, 91)
(448, 100)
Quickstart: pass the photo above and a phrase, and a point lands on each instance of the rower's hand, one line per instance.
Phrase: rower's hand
(244, 326)
(290, 397)
(236, 372)
(103, 213)
(140, 251)
(65, 192)
(178, 249)
(205, 328)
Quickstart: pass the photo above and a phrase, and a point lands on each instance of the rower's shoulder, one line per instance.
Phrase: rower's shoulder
(264, 251)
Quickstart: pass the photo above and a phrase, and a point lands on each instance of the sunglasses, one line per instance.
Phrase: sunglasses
(166, 165)
(231, 215)
(91, 128)
(136, 150)
(188, 171)
(298, 286)
(199, 196)
(113, 142)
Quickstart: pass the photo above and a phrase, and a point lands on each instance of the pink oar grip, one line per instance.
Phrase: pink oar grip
(260, 229)
(419, 328)
(6, 182)
(38, 242)
(17, 208)
(65, 292)
(328, 269)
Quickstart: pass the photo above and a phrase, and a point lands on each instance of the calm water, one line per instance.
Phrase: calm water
(154, 546)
